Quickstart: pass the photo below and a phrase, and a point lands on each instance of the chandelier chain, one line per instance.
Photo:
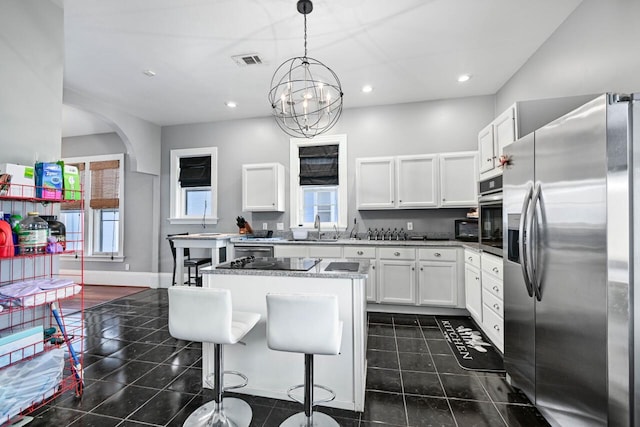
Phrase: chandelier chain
(305, 35)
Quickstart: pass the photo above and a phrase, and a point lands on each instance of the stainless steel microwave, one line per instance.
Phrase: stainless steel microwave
(466, 230)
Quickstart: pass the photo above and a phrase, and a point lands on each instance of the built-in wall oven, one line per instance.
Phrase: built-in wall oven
(490, 215)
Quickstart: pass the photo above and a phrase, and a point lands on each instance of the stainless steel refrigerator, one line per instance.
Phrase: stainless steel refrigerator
(570, 340)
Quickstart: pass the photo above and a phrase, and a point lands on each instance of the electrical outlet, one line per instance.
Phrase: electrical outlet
(126, 267)
(280, 226)
(265, 226)
(410, 226)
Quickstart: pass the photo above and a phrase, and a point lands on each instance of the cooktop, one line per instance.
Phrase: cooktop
(269, 263)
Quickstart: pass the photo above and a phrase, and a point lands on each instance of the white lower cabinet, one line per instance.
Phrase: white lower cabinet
(307, 251)
(438, 283)
(428, 276)
(438, 277)
(472, 284)
(492, 298)
(397, 281)
(290, 251)
(368, 253)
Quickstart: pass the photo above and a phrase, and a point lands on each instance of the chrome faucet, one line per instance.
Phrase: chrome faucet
(316, 224)
(335, 230)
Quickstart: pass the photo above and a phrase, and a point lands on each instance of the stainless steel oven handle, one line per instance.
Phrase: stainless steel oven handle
(521, 236)
(531, 216)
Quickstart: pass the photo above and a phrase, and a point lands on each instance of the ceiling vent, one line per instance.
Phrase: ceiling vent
(247, 59)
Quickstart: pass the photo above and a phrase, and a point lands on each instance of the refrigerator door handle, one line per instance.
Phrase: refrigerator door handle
(531, 216)
(521, 244)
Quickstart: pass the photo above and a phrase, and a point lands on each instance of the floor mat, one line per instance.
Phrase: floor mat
(469, 345)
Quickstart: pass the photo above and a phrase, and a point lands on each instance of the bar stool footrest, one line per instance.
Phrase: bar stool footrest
(315, 402)
(232, 387)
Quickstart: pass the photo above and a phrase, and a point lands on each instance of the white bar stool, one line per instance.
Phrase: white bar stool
(204, 315)
(306, 324)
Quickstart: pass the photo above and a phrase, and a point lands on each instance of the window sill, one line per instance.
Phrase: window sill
(93, 258)
(193, 221)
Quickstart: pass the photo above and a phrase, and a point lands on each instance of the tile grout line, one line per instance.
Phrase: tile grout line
(493, 403)
(444, 391)
(404, 400)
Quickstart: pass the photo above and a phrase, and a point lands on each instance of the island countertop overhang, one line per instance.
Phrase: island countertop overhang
(319, 270)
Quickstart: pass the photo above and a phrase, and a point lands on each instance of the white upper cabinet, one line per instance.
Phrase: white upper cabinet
(504, 131)
(417, 181)
(485, 148)
(458, 172)
(492, 140)
(375, 183)
(263, 187)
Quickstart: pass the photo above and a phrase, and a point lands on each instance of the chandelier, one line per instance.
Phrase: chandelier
(305, 94)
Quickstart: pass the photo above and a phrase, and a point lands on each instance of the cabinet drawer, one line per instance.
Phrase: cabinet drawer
(492, 265)
(359, 252)
(437, 254)
(493, 302)
(321, 251)
(472, 257)
(397, 253)
(492, 285)
(493, 325)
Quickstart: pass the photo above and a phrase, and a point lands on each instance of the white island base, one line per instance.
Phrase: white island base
(272, 372)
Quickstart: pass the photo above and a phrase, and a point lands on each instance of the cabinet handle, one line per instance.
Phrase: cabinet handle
(413, 269)
(421, 269)
(359, 252)
(496, 306)
(373, 267)
(495, 270)
(437, 254)
(400, 201)
(489, 159)
(496, 327)
(396, 253)
(477, 278)
(470, 258)
(443, 199)
(495, 288)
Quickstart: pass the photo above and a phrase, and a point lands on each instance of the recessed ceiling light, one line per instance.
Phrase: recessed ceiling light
(149, 73)
(463, 78)
(231, 104)
(367, 88)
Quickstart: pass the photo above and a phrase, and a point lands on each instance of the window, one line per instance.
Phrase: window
(319, 181)
(102, 179)
(193, 186)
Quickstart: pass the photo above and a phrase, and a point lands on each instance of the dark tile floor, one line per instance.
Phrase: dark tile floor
(138, 375)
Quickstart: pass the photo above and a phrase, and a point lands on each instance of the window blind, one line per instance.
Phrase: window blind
(195, 171)
(74, 205)
(105, 184)
(318, 165)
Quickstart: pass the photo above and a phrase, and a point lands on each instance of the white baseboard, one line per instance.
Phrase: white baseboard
(123, 278)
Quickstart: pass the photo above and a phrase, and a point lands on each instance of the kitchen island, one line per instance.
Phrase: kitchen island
(271, 372)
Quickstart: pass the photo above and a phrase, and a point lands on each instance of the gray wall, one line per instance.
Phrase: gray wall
(138, 228)
(415, 128)
(31, 48)
(594, 51)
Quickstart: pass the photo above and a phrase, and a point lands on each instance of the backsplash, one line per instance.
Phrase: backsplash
(432, 223)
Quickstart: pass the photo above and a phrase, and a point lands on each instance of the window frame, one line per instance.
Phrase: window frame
(92, 215)
(296, 190)
(177, 203)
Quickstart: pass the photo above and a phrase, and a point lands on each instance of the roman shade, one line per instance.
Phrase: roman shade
(318, 165)
(105, 184)
(195, 171)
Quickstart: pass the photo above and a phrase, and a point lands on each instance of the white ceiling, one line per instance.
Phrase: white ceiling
(408, 50)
